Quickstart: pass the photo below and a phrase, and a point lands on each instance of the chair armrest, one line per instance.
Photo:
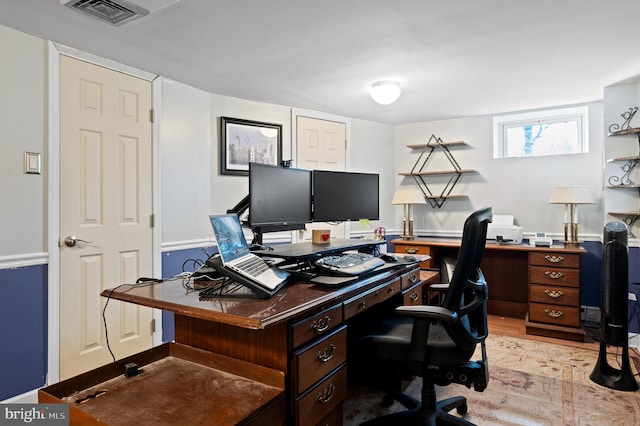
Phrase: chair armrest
(439, 287)
(428, 312)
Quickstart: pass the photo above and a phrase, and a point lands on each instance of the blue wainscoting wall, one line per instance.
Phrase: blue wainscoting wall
(173, 263)
(23, 330)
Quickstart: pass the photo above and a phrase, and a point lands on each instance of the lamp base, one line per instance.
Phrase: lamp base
(407, 230)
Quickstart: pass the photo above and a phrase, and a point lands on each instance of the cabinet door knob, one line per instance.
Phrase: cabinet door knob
(553, 313)
(554, 275)
(326, 395)
(326, 354)
(554, 294)
(321, 324)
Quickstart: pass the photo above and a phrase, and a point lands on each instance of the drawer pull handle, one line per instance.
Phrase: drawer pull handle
(553, 313)
(554, 259)
(554, 275)
(413, 278)
(326, 354)
(363, 304)
(414, 296)
(390, 290)
(321, 324)
(554, 294)
(411, 250)
(326, 395)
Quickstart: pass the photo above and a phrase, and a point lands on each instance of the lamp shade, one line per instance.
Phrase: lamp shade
(408, 195)
(385, 92)
(571, 195)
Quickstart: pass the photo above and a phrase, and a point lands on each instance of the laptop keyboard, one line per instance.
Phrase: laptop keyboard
(254, 266)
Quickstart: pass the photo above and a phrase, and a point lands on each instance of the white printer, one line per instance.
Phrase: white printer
(503, 230)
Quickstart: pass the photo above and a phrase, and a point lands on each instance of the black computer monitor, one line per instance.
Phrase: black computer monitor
(279, 198)
(343, 196)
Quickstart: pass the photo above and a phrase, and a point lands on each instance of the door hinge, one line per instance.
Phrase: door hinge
(151, 115)
(152, 220)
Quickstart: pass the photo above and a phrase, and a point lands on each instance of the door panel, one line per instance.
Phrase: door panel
(321, 145)
(105, 200)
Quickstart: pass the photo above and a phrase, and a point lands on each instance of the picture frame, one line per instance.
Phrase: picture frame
(244, 141)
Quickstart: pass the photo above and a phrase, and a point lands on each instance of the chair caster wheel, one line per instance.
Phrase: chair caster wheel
(387, 400)
(462, 410)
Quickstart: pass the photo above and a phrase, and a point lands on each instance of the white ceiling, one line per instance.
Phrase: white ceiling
(452, 58)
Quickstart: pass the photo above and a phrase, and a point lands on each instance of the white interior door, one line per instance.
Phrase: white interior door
(321, 145)
(105, 200)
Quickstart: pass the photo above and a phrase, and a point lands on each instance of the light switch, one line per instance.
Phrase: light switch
(32, 163)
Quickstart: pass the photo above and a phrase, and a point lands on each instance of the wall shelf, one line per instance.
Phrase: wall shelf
(419, 173)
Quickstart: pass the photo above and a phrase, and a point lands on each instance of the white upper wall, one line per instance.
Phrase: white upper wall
(516, 186)
(22, 129)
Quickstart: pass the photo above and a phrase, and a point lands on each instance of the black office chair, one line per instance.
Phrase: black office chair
(437, 342)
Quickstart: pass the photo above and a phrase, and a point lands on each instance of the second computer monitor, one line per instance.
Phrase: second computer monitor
(342, 196)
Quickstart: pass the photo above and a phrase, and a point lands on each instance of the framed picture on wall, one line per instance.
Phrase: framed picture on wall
(245, 141)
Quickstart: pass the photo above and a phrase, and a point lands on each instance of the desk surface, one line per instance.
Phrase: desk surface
(490, 245)
(289, 302)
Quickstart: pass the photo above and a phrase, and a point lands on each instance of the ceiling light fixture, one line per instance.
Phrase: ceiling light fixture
(385, 92)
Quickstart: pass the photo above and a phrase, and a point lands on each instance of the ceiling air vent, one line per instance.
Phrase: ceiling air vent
(116, 12)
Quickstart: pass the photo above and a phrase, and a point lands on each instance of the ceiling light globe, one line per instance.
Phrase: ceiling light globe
(385, 92)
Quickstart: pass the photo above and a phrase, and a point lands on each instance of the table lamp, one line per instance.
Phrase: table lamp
(408, 196)
(571, 196)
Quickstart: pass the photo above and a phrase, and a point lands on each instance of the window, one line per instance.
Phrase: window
(547, 132)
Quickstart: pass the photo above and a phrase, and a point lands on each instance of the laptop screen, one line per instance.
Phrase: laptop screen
(231, 242)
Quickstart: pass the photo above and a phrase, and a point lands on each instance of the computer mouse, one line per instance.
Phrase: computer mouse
(410, 258)
(389, 258)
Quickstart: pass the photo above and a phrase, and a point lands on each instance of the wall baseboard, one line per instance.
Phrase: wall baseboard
(30, 397)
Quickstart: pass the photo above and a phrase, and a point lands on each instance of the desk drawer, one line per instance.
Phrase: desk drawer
(410, 278)
(315, 361)
(554, 276)
(316, 325)
(554, 314)
(408, 248)
(414, 295)
(322, 399)
(568, 296)
(364, 301)
(558, 260)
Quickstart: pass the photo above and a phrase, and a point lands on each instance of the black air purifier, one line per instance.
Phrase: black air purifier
(614, 322)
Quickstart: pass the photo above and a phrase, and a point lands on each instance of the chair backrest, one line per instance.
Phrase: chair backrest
(467, 293)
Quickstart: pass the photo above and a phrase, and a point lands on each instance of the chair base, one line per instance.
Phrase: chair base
(416, 415)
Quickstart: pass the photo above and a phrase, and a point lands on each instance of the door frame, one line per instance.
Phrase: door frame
(54, 51)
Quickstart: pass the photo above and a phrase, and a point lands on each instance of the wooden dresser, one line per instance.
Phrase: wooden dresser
(300, 331)
(554, 294)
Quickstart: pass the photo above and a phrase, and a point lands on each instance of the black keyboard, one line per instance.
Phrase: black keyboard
(350, 263)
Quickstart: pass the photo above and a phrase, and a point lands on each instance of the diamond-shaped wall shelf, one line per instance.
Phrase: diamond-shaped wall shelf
(420, 173)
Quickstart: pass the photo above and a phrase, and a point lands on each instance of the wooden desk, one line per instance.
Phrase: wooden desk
(301, 331)
(539, 284)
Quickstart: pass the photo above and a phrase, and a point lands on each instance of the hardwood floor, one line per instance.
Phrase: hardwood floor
(514, 327)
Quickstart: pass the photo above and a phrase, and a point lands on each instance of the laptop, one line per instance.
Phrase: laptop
(236, 256)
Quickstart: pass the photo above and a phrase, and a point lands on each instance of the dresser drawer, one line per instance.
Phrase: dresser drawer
(554, 276)
(335, 418)
(410, 278)
(568, 296)
(559, 260)
(322, 399)
(315, 361)
(554, 314)
(364, 301)
(316, 325)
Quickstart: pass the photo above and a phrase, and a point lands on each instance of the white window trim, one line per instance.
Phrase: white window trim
(500, 123)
